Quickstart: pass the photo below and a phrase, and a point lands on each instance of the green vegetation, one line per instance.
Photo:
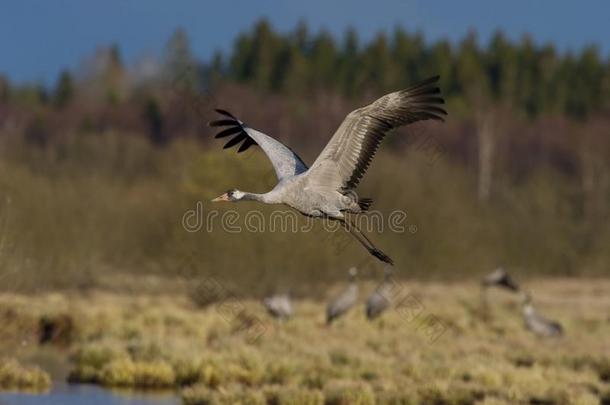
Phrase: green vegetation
(532, 78)
(94, 207)
(15, 376)
(161, 340)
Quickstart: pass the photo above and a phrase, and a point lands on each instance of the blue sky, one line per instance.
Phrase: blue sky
(38, 38)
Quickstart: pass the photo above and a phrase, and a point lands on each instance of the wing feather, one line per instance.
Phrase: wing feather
(350, 151)
(285, 162)
(228, 132)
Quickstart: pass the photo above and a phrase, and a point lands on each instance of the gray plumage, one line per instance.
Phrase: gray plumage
(500, 278)
(380, 299)
(326, 190)
(279, 306)
(537, 323)
(344, 301)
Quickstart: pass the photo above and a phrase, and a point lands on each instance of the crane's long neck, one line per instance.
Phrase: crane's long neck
(528, 309)
(267, 198)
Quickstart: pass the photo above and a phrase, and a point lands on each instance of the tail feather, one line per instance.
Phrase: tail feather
(365, 203)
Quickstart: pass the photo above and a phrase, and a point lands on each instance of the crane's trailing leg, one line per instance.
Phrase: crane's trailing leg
(364, 241)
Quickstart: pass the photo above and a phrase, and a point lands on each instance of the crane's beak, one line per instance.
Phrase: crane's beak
(224, 197)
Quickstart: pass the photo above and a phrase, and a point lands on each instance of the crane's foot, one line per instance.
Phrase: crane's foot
(382, 256)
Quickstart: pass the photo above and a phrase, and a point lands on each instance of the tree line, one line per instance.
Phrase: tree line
(531, 79)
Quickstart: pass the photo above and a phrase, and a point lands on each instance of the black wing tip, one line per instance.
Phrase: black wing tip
(426, 92)
(236, 139)
(246, 145)
(225, 113)
(431, 100)
(437, 110)
(235, 128)
(221, 123)
(217, 123)
(229, 131)
(425, 82)
(432, 113)
(435, 118)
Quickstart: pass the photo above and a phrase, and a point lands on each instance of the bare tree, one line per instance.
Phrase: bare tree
(595, 181)
(486, 136)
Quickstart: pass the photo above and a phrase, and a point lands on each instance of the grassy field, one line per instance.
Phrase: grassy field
(439, 345)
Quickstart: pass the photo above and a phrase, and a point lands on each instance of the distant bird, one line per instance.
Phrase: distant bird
(344, 301)
(326, 189)
(279, 306)
(379, 300)
(537, 323)
(500, 278)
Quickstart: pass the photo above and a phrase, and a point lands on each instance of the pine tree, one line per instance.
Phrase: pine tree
(291, 73)
(154, 120)
(439, 60)
(502, 68)
(546, 65)
(605, 88)
(215, 70)
(323, 61)
(380, 68)
(180, 66)
(591, 72)
(562, 84)
(471, 78)
(350, 77)
(64, 90)
(240, 66)
(260, 62)
(5, 89)
(526, 76)
(301, 37)
(407, 52)
(114, 75)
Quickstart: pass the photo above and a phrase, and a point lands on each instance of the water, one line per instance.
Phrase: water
(89, 395)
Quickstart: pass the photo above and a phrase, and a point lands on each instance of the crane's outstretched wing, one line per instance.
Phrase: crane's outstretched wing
(285, 162)
(349, 152)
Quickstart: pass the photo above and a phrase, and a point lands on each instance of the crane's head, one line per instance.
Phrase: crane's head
(352, 272)
(387, 272)
(232, 195)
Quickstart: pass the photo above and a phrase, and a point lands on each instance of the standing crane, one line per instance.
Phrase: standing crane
(537, 323)
(279, 306)
(344, 301)
(326, 189)
(500, 278)
(380, 299)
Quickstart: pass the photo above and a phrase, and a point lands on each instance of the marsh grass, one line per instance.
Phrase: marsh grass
(16, 376)
(165, 341)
